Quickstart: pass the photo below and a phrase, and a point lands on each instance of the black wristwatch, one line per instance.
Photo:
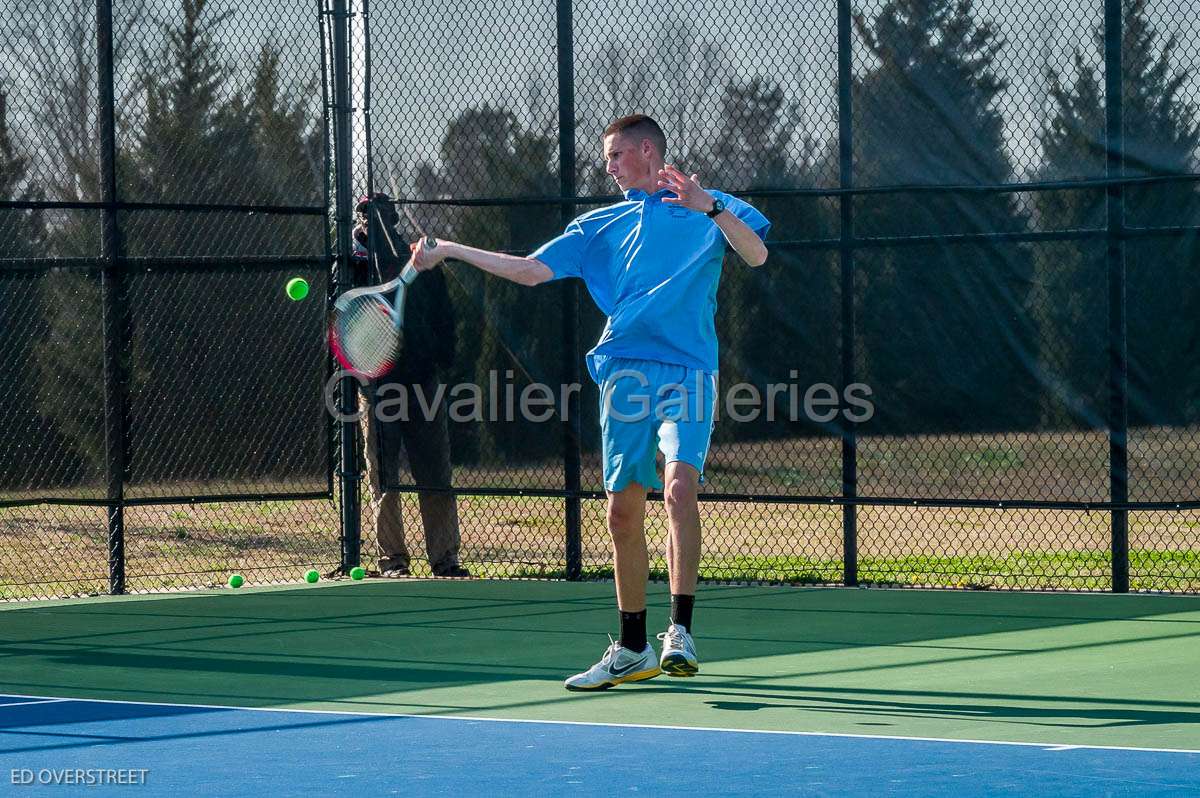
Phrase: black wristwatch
(717, 208)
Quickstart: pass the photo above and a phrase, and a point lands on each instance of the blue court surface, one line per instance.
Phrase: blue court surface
(71, 746)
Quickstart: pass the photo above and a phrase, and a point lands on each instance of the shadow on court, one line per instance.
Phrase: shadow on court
(22, 732)
(1035, 710)
(773, 657)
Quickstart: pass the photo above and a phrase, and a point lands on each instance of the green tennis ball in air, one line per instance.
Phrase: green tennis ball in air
(311, 575)
(297, 288)
(236, 580)
(357, 572)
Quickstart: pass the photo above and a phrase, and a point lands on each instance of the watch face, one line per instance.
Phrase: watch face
(718, 206)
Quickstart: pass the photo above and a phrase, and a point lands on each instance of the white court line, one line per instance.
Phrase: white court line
(477, 719)
(28, 703)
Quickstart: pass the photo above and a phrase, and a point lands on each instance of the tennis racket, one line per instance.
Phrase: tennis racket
(366, 328)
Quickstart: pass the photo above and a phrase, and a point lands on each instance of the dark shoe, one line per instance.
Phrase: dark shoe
(454, 570)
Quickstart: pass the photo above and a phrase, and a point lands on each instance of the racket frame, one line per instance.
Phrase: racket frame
(396, 288)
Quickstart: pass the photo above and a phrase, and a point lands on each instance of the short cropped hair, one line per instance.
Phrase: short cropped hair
(638, 127)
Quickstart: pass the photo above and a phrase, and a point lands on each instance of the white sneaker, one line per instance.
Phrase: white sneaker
(679, 652)
(617, 666)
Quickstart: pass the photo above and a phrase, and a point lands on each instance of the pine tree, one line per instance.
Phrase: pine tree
(201, 372)
(199, 137)
(67, 360)
(502, 326)
(285, 137)
(1161, 137)
(773, 322)
(22, 232)
(944, 339)
(22, 236)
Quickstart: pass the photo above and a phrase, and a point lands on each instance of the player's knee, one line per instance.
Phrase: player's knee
(623, 520)
(679, 493)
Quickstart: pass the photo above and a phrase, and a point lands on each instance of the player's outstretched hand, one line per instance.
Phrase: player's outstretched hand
(427, 252)
(688, 191)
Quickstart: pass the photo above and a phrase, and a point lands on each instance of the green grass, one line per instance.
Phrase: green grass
(1050, 570)
(1078, 570)
(995, 458)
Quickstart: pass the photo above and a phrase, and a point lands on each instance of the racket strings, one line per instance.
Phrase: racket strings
(365, 335)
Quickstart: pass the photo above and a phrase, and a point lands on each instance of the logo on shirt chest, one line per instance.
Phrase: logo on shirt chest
(678, 213)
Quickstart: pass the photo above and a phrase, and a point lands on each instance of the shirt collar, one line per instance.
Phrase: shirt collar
(637, 195)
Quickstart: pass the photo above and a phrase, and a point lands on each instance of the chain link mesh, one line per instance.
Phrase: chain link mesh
(954, 261)
(160, 368)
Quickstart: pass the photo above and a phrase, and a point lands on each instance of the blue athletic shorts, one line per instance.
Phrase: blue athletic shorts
(647, 406)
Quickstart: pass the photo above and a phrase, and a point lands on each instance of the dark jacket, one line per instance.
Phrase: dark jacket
(429, 341)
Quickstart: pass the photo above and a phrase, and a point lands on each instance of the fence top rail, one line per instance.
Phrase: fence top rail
(1090, 184)
(185, 207)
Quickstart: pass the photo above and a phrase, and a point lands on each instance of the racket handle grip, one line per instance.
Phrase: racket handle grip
(408, 274)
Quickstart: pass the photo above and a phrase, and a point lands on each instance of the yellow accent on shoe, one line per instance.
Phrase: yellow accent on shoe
(679, 666)
(678, 653)
(640, 676)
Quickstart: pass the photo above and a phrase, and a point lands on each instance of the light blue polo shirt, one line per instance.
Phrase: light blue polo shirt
(652, 269)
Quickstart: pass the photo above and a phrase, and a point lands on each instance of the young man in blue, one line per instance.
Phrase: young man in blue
(651, 263)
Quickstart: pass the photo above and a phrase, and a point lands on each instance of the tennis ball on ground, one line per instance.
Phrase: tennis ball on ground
(235, 580)
(311, 575)
(297, 288)
(357, 572)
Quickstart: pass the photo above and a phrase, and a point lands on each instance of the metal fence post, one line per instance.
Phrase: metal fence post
(351, 477)
(112, 303)
(1118, 351)
(846, 257)
(570, 291)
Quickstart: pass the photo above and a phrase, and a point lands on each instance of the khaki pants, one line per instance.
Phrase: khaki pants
(428, 446)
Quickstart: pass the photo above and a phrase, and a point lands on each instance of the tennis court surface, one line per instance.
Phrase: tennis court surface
(422, 687)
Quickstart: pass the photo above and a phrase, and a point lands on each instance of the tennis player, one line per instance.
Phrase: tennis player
(651, 263)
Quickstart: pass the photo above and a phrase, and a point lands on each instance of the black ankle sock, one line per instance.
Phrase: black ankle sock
(633, 631)
(681, 610)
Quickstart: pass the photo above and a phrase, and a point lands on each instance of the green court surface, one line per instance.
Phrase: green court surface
(1047, 668)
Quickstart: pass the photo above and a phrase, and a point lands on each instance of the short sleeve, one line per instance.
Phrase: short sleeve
(564, 255)
(748, 214)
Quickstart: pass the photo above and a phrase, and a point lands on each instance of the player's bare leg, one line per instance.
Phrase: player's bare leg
(631, 659)
(631, 564)
(680, 492)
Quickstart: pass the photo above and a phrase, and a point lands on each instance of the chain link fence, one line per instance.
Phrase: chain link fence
(968, 351)
(163, 173)
(969, 362)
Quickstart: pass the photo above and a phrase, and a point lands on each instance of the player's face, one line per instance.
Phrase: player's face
(626, 162)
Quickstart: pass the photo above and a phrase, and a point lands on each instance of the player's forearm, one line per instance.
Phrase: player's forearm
(744, 241)
(525, 271)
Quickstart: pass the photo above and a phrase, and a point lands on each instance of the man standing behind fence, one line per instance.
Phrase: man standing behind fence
(652, 264)
(428, 349)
